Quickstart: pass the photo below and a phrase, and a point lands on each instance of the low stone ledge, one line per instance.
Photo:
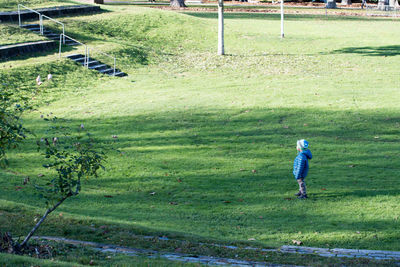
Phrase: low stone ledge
(9, 51)
(12, 16)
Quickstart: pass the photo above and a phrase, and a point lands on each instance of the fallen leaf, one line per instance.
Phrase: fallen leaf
(60, 214)
(352, 166)
(285, 127)
(261, 217)
(240, 199)
(323, 189)
(288, 198)
(253, 171)
(305, 124)
(152, 193)
(179, 180)
(227, 201)
(173, 203)
(17, 188)
(376, 137)
(108, 196)
(40, 175)
(241, 169)
(251, 239)
(297, 242)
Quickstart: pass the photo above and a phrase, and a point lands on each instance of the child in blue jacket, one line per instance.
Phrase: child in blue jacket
(300, 167)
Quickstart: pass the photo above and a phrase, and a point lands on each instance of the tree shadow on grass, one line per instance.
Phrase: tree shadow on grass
(200, 165)
(375, 51)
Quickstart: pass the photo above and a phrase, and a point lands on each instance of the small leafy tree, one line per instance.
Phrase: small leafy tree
(73, 157)
(11, 129)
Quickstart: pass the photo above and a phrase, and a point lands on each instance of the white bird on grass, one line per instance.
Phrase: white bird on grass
(38, 80)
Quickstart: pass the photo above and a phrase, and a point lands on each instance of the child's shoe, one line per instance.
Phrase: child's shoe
(302, 197)
(298, 194)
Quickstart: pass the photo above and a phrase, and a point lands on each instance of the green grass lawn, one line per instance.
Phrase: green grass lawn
(87, 259)
(215, 137)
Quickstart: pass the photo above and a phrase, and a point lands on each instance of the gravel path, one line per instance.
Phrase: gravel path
(180, 257)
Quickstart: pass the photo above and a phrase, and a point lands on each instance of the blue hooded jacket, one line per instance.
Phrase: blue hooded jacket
(300, 165)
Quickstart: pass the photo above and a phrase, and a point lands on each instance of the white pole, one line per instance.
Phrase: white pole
(19, 16)
(63, 33)
(88, 58)
(221, 50)
(41, 24)
(282, 33)
(59, 50)
(114, 66)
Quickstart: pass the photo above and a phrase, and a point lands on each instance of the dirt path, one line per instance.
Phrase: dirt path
(323, 252)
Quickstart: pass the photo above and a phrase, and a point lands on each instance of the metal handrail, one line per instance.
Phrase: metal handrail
(56, 21)
(19, 16)
(114, 58)
(86, 60)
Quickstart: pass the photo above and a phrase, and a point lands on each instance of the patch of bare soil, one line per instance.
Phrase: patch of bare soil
(8, 245)
(264, 10)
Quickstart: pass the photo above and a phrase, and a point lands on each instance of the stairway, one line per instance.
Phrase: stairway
(47, 33)
(97, 65)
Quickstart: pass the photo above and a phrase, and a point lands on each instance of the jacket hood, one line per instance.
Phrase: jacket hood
(307, 153)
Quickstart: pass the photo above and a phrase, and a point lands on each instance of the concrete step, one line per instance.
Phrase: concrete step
(56, 38)
(73, 56)
(79, 60)
(30, 26)
(98, 67)
(107, 71)
(34, 29)
(94, 62)
(48, 34)
(71, 43)
(120, 74)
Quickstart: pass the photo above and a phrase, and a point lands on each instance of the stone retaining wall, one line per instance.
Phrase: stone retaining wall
(12, 16)
(9, 51)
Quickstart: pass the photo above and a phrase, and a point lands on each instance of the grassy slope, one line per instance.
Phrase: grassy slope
(84, 260)
(192, 126)
(12, 34)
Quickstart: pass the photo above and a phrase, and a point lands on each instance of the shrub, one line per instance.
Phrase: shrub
(73, 157)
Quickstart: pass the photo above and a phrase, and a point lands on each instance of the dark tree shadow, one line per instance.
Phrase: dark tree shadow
(377, 51)
(154, 150)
